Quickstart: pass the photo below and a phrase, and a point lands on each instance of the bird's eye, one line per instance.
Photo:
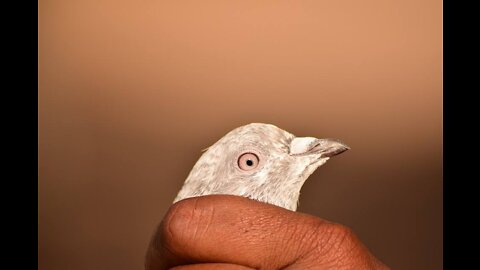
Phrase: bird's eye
(248, 161)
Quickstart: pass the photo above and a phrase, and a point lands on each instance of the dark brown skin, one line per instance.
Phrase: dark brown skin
(231, 232)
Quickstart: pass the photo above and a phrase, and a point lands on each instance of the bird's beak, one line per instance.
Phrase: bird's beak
(322, 147)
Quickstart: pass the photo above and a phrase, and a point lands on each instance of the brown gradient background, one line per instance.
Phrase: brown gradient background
(131, 91)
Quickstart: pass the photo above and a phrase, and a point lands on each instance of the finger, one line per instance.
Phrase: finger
(231, 229)
(211, 266)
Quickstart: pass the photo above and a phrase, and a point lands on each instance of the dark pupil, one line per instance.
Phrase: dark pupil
(249, 162)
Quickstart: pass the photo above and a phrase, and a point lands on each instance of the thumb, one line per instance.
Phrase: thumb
(237, 230)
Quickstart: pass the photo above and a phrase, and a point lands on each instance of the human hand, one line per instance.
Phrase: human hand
(231, 232)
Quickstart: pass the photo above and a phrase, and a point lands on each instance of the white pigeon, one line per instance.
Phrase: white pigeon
(260, 162)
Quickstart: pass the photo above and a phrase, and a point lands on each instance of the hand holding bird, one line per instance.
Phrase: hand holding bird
(264, 167)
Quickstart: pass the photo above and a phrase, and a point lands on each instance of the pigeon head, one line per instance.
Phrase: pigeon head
(261, 162)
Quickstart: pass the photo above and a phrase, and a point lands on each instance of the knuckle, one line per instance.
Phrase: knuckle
(340, 237)
(335, 240)
(322, 243)
(342, 233)
(336, 246)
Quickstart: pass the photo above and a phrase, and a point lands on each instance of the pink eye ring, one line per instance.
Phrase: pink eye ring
(248, 161)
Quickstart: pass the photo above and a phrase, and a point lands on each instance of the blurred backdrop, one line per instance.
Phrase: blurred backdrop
(130, 92)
